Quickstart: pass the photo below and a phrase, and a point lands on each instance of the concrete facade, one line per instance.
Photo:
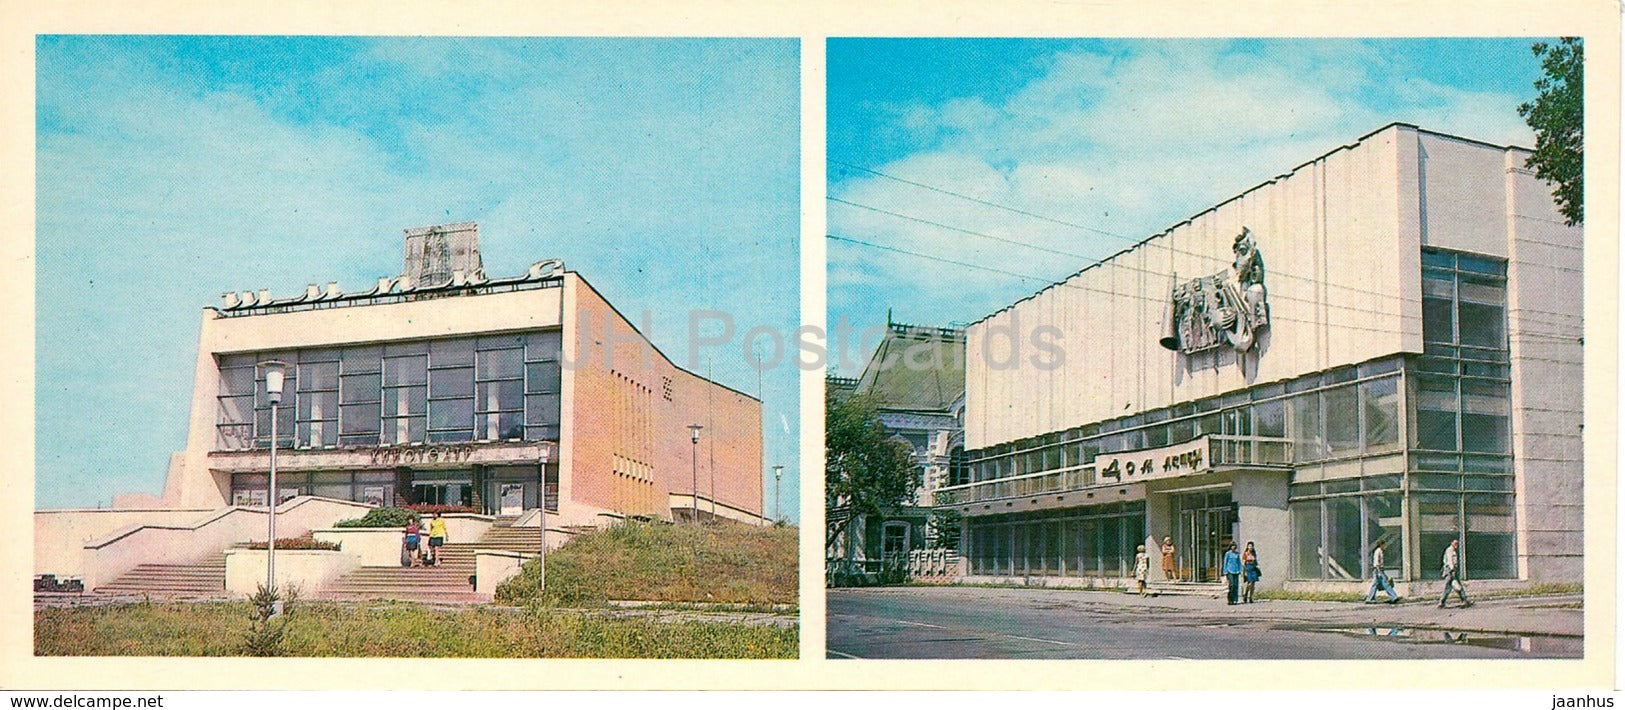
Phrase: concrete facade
(1353, 241)
(552, 400)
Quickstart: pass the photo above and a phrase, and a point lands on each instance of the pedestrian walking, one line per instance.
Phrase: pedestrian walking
(1451, 572)
(1232, 572)
(1142, 568)
(437, 537)
(1249, 571)
(1379, 577)
(412, 540)
(1168, 566)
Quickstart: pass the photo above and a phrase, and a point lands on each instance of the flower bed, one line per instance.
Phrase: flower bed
(432, 508)
(294, 543)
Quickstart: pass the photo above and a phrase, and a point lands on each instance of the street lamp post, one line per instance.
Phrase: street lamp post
(541, 520)
(694, 465)
(778, 471)
(275, 371)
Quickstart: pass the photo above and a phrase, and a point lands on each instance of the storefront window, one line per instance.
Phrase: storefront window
(1306, 547)
(1384, 521)
(1345, 548)
(1089, 544)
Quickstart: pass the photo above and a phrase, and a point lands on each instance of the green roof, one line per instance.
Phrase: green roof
(916, 368)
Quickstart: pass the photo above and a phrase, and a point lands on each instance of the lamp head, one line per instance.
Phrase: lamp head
(694, 431)
(276, 372)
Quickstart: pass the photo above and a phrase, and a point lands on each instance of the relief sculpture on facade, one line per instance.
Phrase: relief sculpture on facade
(1227, 308)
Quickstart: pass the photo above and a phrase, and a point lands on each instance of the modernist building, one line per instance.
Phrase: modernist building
(916, 377)
(445, 386)
(1406, 368)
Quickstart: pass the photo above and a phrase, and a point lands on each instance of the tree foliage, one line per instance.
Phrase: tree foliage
(946, 526)
(866, 472)
(1558, 116)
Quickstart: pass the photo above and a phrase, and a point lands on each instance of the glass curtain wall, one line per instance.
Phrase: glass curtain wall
(438, 391)
(1460, 460)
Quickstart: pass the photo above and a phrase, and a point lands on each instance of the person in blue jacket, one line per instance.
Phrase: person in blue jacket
(1232, 572)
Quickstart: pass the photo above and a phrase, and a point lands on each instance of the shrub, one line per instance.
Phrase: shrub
(379, 518)
(427, 509)
(265, 637)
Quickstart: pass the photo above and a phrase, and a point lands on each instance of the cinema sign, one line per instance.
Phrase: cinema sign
(1187, 459)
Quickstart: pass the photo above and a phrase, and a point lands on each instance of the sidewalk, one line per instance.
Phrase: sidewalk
(1545, 615)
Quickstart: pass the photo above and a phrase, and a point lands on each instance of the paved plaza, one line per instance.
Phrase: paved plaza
(980, 622)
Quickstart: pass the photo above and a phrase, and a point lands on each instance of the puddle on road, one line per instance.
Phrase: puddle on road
(1531, 644)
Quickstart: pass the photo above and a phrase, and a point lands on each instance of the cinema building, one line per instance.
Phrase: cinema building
(1406, 368)
(444, 386)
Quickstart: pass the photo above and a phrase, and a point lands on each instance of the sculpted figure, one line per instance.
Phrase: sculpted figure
(1249, 268)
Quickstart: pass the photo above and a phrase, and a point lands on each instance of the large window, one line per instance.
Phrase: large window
(499, 397)
(318, 399)
(466, 389)
(1461, 466)
(1336, 524)
(1091, 542)
(542, 385)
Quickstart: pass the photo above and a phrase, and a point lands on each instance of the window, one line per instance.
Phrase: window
(499, 394)
(285, 414)
(542, 386)
(1436, 408)
(1485, 408)
(318, 404)
(1379, 402)
(451, 391)
(1342, 415)
(401, 393)
(405, 398)
(1307, 444)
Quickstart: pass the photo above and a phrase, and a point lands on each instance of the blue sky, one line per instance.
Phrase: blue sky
(172, 169)
(1119, 138)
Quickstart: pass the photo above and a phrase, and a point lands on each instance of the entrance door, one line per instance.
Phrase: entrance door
(1206, 522)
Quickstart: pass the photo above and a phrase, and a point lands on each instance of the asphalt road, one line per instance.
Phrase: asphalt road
(971, 622)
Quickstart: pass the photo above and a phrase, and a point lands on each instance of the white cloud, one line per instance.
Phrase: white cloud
(1128, 144)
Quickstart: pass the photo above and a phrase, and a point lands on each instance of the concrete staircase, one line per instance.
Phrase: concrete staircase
(447, 581)
(204, 578)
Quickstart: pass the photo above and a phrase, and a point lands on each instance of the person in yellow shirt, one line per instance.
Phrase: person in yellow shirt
(437, 537)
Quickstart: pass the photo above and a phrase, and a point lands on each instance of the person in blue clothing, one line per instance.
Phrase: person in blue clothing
(1232, 572)
(1379, 578)
(1250, 572)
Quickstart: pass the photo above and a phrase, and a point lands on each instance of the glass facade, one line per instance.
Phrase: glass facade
(1094, 541)
(490, 388)
(1411, 450)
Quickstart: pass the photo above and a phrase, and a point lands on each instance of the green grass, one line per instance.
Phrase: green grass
(1534, 590)
(1539, 589)
(398, 629)
(721, 563)
(1305, 596)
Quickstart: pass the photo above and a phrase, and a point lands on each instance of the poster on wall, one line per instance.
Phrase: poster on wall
(373, 496)
(513, 498)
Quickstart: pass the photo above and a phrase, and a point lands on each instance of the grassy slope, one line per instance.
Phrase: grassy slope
(726, 562)
(406, 630)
